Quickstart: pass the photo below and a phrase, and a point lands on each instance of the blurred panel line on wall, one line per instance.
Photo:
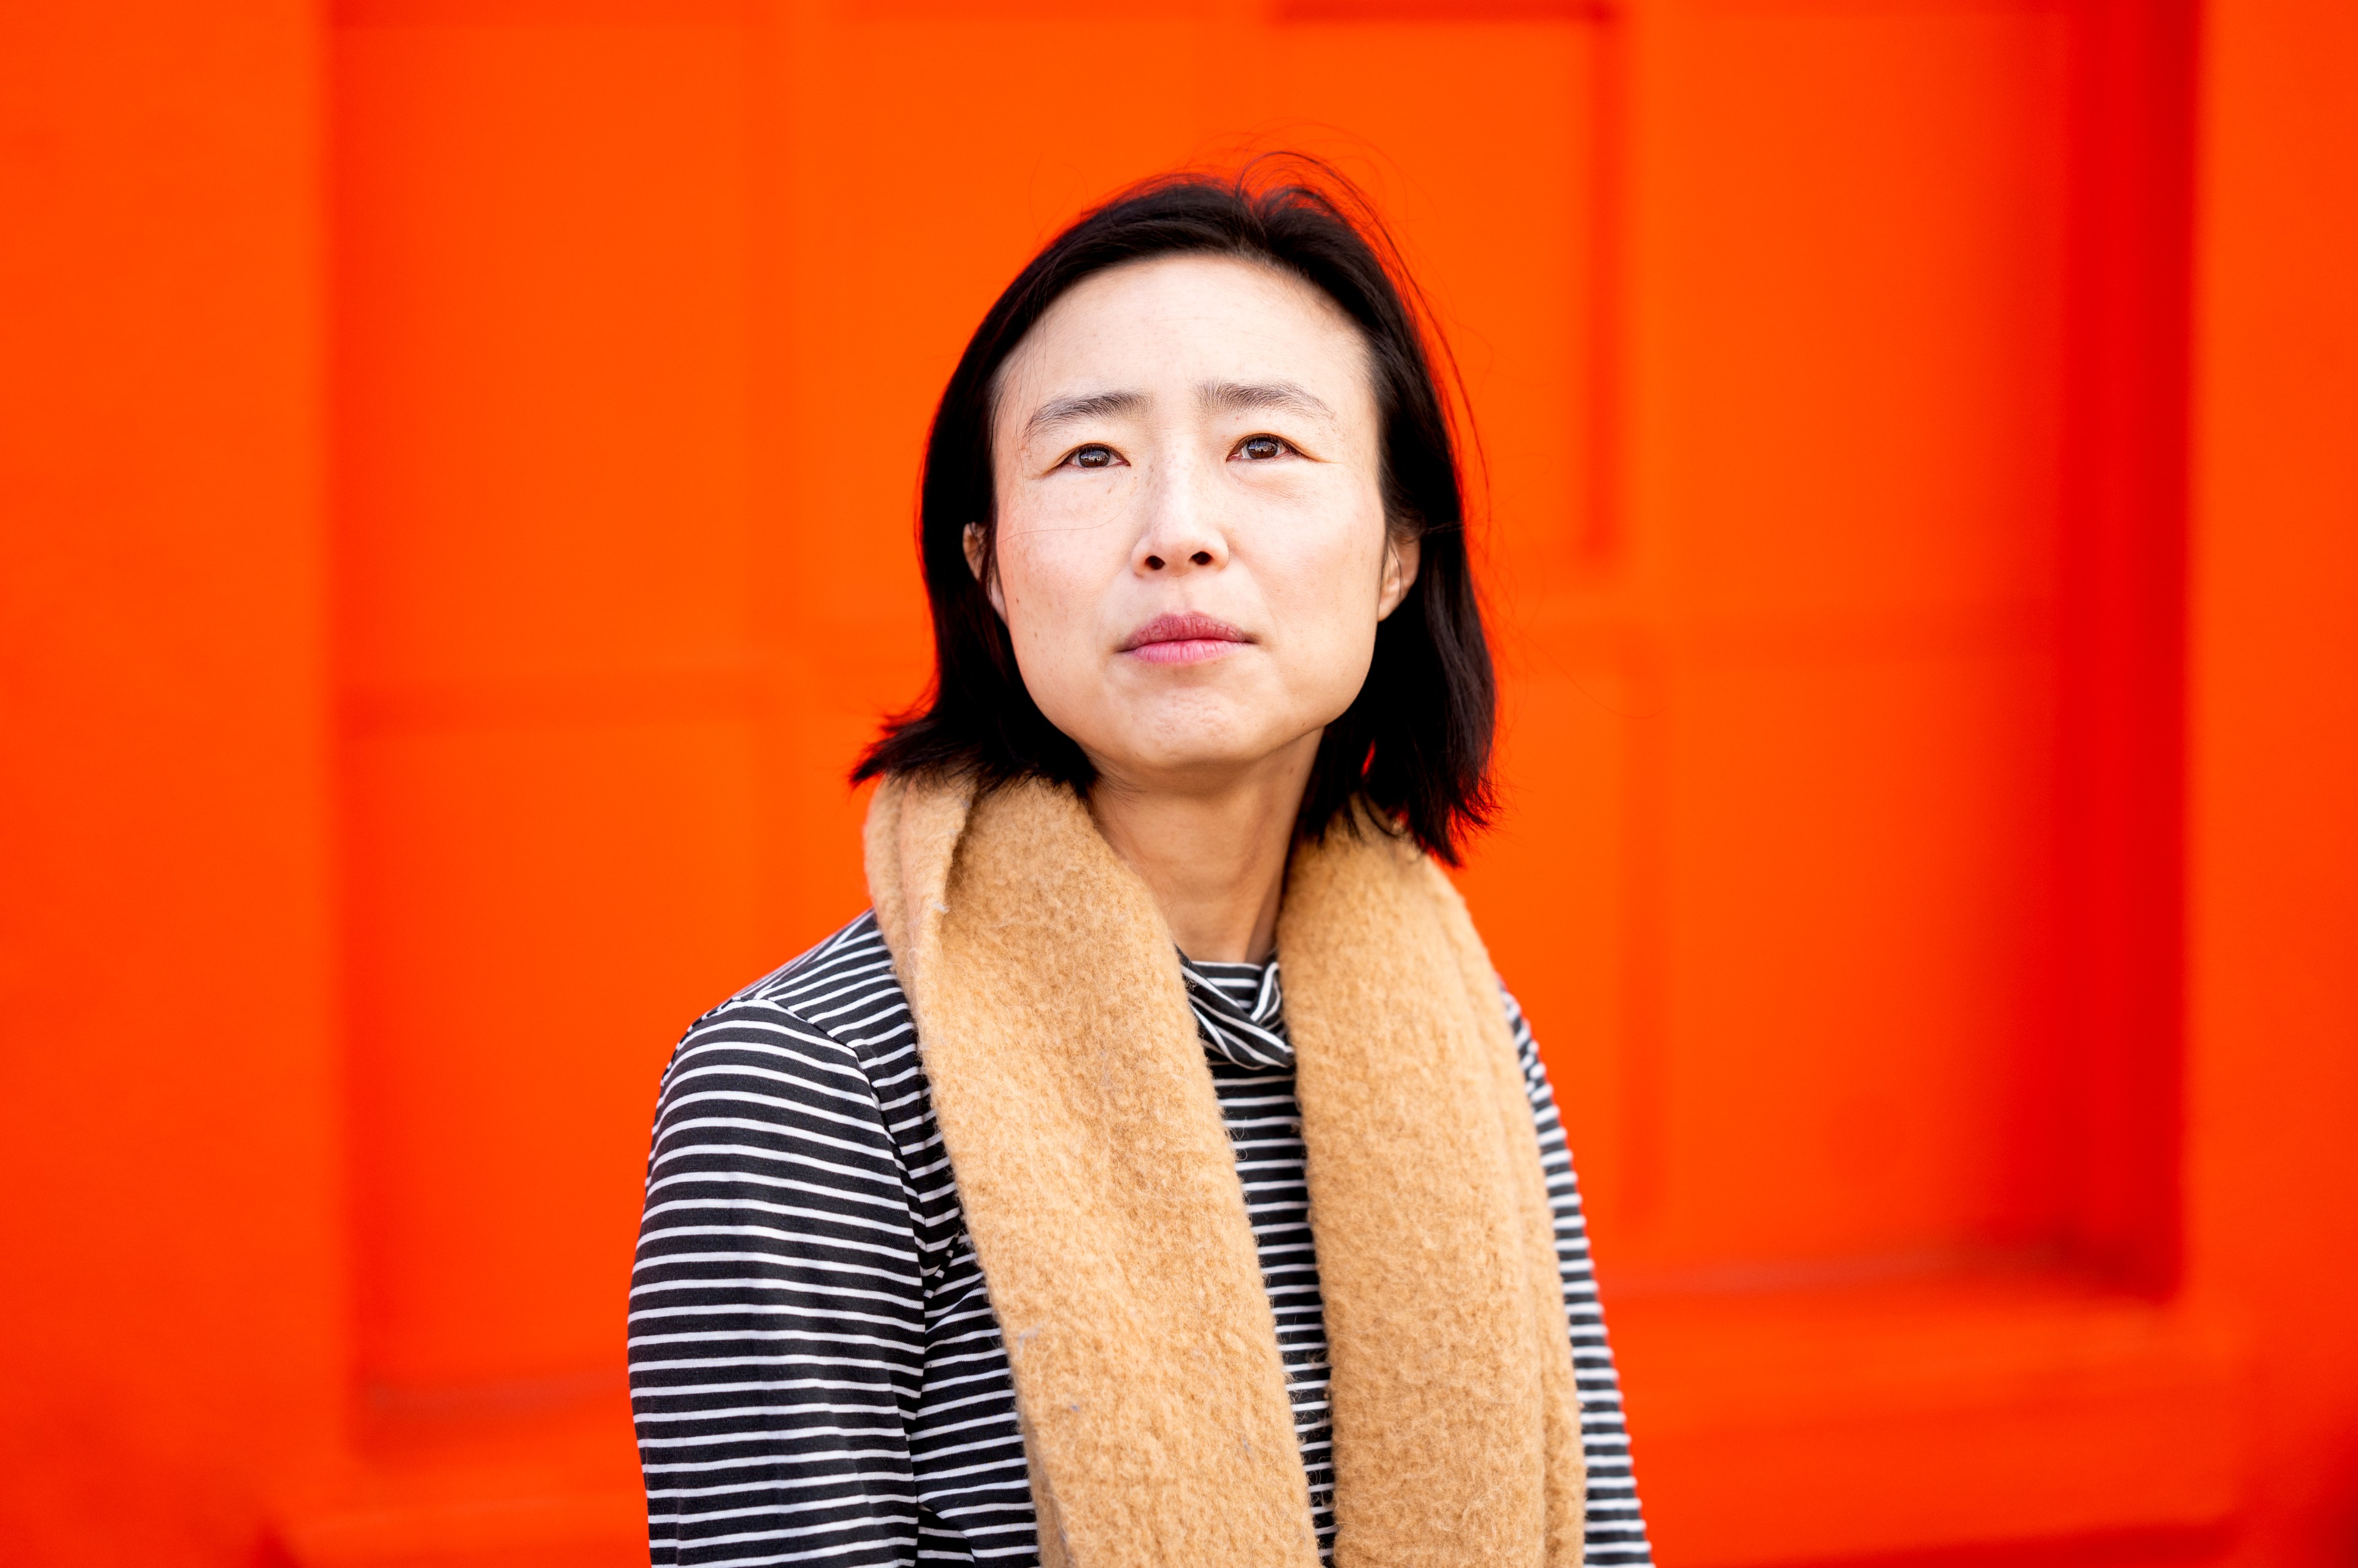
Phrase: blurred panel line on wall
(2124, 685)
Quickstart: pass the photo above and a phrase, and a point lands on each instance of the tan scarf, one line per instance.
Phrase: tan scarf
(1099, 1187)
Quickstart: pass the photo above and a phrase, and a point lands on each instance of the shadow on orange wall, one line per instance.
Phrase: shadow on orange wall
(460, 467)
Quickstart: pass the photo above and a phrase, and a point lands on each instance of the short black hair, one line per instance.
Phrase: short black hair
(1415, 742)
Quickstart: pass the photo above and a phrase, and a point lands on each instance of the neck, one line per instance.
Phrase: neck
(1213, 852)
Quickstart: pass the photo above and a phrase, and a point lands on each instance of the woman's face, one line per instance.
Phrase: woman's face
(1191, 550)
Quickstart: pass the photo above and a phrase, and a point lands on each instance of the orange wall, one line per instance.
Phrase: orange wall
(456, 467)
(175, 1310)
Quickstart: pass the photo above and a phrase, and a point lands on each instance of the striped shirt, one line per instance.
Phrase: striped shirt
(816, 1370)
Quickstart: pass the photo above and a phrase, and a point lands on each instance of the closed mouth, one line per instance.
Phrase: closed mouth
(1183, 638)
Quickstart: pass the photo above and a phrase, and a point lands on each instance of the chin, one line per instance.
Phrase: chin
(1206, 750)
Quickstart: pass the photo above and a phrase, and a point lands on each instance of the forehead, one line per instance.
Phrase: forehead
(1184, 319)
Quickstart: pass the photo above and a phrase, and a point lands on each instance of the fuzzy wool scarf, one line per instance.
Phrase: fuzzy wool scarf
(1101, 1193)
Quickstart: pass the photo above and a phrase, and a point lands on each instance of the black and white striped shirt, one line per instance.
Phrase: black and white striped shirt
(816, 1370)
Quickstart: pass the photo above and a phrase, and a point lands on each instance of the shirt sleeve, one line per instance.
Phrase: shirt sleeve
(777, 1305)
(1616, 1534)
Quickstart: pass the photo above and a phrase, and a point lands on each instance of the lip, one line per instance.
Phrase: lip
(1183, 638)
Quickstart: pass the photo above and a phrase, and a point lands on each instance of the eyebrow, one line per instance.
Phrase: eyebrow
(1096, 406)
(1222, 396)
(1237, 397)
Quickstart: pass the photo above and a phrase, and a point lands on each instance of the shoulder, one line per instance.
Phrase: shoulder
(810, 1031)
(839, 983)
(1527, 1049)
(1516, 1024)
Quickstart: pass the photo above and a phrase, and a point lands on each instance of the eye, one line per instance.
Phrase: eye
(1092, 456)
(1261, 449)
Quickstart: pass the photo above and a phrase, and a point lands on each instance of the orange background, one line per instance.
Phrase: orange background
(456, 460)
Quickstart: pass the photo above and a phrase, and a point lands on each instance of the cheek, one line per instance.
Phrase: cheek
(1323, 586)
(1328, 578)
(1052, 577)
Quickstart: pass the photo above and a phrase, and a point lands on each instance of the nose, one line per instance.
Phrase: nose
(1178, 533)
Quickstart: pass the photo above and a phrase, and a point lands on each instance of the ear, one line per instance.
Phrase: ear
(1401, 558)
(974, 541)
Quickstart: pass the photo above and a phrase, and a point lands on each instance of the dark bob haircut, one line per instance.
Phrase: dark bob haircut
(1415, 742)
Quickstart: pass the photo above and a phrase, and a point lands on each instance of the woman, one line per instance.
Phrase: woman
(1025, 1219)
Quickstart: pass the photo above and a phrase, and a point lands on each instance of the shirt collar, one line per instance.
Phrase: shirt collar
(1240, 1013)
